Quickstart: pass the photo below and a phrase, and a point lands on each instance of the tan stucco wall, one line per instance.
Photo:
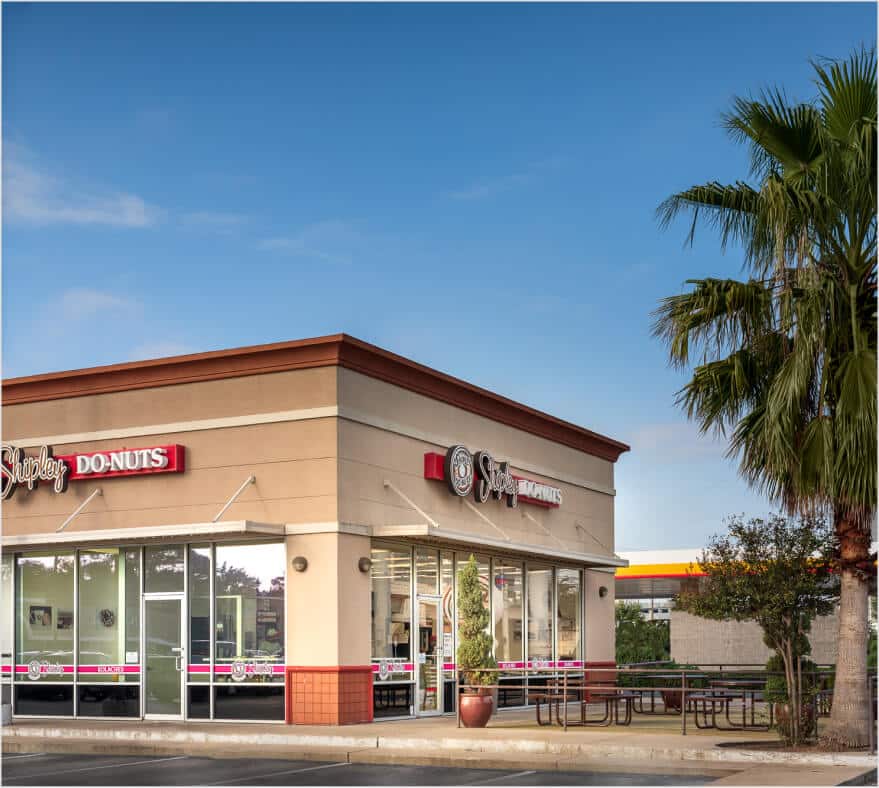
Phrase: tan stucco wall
(702, 641)
(319, 470)
(600, 640)
(294, 461)
(328, 610)
(370, 454)
(307, 388)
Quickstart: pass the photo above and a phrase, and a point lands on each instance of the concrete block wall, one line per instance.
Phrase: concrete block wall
(699, 640)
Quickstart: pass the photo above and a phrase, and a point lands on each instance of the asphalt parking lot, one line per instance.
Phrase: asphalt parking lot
(66, 769)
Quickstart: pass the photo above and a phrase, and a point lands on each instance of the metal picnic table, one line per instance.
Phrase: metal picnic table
(724, 691)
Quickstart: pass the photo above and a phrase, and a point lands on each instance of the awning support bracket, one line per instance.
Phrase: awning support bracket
(546, 530)
(249, 480)
(479, 514)
(391, 486)
(78, 509)
(594, 538)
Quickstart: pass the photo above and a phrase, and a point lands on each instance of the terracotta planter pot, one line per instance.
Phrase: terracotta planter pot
(476, 708)
(672, 699)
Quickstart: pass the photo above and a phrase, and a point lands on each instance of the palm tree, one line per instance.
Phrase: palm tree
(785, 362)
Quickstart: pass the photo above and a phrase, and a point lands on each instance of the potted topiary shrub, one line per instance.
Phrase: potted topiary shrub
(474, 650)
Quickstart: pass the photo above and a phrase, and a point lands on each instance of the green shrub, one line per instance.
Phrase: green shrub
(474, 646)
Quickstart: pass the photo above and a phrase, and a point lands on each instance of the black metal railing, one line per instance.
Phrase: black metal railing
(690, 691)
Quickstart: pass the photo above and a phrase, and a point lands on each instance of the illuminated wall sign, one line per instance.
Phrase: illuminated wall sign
(484, 476)
(125, 462)
(17, 469)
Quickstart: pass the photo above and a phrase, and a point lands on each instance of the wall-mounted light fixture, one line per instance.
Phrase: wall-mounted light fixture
(300, 563)
(364, 564)
(602, 591)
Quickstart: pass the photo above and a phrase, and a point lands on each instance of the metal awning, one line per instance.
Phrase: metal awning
(428, 532)
(115, 536)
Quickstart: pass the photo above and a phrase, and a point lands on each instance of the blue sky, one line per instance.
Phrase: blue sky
(472, 186)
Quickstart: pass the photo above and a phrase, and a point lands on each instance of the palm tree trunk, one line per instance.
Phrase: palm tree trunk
(850, 716)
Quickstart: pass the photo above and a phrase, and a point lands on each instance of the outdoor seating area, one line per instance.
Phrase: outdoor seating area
(711, 698)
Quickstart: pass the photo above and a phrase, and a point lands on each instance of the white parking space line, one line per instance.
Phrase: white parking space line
(93, 768)
(503, 777)
(29, 755)
(245, 778)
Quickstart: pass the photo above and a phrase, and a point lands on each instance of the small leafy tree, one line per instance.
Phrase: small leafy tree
(775, 572)
(639, 640)
(776, 691)
(474, 646)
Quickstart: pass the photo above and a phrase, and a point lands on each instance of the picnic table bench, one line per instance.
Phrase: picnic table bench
(555, 695)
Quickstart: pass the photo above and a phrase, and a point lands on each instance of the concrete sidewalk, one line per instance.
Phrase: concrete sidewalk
(508, 742)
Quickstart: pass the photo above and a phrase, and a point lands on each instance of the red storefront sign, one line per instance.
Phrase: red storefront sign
(18, 469)
(125, 462)
(461, 477)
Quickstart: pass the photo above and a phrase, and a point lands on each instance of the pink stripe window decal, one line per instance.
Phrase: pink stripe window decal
(109, 668)
(46, 669)
(396, 667)
(250, 666)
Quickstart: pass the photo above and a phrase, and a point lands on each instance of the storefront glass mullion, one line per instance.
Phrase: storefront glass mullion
(141, 641)
(76, 616)
(213, 624)
(506, 590)
(248, 669)
(7, 626)
(44, 610)
(200, 644)
(392, 583)
(106, 615)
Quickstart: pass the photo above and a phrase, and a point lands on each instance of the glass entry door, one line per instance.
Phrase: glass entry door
(429, 655)
(165, 656)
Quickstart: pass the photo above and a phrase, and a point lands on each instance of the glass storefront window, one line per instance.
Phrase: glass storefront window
(426, 570)
(163, 569)
(199, 587)
(568, 614)
(540, 613)
(506, 591)
(249, 612)
(132, 606)
(44, 620)
(391, 584)
(6, 638)
(447, 592)
(109, 615)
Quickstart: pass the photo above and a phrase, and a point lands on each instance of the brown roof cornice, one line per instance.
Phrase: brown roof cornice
(335, 350)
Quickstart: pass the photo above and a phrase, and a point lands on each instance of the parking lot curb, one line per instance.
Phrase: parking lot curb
(217, 742)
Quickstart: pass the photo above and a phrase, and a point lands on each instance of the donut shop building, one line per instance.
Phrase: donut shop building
(273, 533)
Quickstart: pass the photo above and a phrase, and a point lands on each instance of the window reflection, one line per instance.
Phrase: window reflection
(249, 610)
(540, 613)
(163, 569)
(44, 631)
(199, 613)
(568, 618)
(391, 579)
(109, 614)
(507, 604)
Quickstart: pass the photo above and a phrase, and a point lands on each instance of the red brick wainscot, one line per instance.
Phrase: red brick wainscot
(328, 695)
(593, 674)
